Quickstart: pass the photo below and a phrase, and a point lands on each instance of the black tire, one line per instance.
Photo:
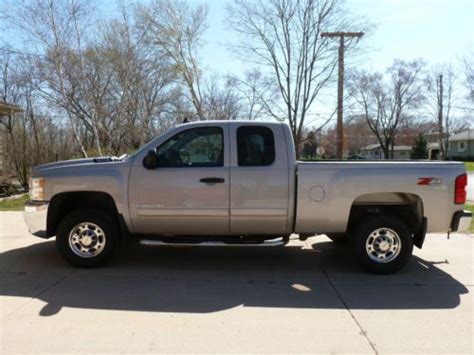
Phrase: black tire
(339, 238)
(108, 242)
(380, 226)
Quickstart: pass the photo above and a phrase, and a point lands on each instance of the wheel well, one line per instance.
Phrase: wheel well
(405, 206)
(64, 203)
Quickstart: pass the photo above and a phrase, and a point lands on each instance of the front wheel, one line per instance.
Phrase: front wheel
(383, 245)
(87, 238)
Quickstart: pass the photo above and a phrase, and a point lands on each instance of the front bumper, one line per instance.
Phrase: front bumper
(36, 213)
(461, 221)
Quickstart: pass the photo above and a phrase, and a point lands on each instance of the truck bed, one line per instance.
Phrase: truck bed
(327, 190)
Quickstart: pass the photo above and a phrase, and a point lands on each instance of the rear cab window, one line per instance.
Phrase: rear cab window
(255, 146)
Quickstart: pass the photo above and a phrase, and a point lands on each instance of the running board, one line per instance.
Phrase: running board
(158, 243)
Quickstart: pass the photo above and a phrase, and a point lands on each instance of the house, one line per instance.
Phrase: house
(433, 151)
(461, 145)
(5, 110)
(372, 151)
(375, 152)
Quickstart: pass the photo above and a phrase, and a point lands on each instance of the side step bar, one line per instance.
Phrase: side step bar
(158, 243)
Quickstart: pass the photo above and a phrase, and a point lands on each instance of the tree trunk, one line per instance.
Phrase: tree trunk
(386, 151)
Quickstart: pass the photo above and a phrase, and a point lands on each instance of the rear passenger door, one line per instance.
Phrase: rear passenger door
(259, 179)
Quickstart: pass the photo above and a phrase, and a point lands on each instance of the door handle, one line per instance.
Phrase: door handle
(212, 180)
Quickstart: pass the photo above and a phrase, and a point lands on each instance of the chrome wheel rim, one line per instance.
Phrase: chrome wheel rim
(383, 245)
(87, 240)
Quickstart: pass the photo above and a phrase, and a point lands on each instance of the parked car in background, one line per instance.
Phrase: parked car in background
(356, 157)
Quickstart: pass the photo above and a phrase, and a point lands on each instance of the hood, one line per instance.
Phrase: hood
(76, 162)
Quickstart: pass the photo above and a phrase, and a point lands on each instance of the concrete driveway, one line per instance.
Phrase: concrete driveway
(306, 297)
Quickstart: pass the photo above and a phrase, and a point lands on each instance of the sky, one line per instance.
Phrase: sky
(439, 31)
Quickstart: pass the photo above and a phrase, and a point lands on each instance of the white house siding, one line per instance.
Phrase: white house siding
(401, 154)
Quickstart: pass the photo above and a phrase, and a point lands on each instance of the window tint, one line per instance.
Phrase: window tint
(255, 146)
(197, 147)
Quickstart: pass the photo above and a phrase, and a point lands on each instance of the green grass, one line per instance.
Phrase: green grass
(15, 204)
(470, 208)
(469, 165)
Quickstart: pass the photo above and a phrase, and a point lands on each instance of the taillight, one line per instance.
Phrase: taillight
(460, 189)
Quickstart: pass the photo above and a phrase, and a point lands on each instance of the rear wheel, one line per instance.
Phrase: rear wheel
(338, 238)
(87, 238)
(383, 245)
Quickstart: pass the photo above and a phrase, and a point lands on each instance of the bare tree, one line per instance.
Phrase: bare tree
(113, 87)
(357, 133)
(176, 29)
(310, 145)
(142, 96)
(31, 137)
(469, 76)
(258, 94)
(387, 101)
(101, 88)
(54, 28)
(222, 102)
(285, 37)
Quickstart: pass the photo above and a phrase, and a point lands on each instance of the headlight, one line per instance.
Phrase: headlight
(37, 189)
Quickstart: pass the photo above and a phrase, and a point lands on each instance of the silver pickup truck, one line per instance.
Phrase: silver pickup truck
(237, 183)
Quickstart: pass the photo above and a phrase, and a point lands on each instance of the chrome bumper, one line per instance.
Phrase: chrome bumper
(461, 221)
(35, 217)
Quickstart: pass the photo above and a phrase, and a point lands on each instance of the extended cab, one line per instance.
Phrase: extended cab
(238, 183)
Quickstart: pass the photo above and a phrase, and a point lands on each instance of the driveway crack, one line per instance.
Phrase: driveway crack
(362, 330)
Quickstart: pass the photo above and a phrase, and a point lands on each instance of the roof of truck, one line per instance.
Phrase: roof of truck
(233, 121)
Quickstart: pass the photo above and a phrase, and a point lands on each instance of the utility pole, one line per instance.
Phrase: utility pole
(440, 117)
(340, 84)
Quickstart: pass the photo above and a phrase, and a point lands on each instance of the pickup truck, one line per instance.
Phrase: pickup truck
(238, 183)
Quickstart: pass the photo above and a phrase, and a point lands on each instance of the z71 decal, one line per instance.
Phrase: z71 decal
(429, 181)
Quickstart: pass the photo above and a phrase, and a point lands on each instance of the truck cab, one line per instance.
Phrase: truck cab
(215, 178)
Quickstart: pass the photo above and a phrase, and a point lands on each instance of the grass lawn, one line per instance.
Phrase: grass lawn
(469, 165)
(15, 204)
(471, 208)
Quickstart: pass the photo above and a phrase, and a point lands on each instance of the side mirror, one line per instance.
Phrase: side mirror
(150, 161)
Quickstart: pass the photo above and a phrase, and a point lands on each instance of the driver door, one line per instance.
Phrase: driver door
(188, 193)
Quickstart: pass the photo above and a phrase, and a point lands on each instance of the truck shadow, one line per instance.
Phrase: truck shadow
(200, 280)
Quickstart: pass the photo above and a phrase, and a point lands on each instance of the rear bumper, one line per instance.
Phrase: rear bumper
(35, 215)
(461, 221)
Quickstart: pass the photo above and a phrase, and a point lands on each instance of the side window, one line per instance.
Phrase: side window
(255, 146)
(195, 147)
